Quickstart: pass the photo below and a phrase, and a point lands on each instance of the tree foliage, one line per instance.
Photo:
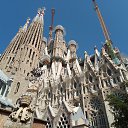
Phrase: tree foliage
(119, 107)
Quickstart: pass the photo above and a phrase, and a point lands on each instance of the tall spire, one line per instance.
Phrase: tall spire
(24, 53)
(31, 44)
(13, 48)
(104, 28)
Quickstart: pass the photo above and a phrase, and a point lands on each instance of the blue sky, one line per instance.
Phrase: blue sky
(77, 16)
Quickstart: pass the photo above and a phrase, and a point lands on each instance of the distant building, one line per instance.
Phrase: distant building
(51, 86)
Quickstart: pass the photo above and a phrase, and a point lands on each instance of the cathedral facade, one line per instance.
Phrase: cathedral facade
(50, 83)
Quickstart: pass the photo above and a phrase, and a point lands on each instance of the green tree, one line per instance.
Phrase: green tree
(119, 107)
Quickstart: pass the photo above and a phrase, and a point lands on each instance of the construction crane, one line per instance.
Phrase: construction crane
(52, 21)
(109, 47)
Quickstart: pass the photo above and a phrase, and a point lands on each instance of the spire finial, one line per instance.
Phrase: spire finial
(95, 47)
(28, 20)
(43, 11)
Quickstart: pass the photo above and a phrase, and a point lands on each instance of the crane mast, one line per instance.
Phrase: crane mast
(109, 46)
(52, 21)
(106, 34)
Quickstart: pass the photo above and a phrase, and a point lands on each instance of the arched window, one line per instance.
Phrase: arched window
(61, 89)
(36, 44)
(84, 90)
(77, 93)
(114, 80)
(94, 87)
(30, 53)
(75, 84)
(68, 95)
(9, 60)
(109, 72)
(101, 119)
(27, 74)
(118, 78)
(17, 87)
(33, 55)
(54, 98)
(90, 78)
(49, 95)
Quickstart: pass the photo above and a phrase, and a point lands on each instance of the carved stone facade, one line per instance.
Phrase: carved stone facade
(51, 83)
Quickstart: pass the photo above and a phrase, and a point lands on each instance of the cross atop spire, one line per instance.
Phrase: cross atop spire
(39, 10)
(40, 14)
(28, 20)
(43, 11)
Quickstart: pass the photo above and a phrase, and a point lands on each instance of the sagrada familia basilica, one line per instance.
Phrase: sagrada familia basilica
(43, 83)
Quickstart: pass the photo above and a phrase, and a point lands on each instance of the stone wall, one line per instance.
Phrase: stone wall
(3, 117)
(39, 124)
(81, 126)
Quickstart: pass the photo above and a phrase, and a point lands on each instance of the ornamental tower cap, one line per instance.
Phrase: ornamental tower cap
(45, 39)
(73, 42)
(59, 27)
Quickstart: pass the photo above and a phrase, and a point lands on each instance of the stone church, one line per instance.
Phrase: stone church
(44, 84)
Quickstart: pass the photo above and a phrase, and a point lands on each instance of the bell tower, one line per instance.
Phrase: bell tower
(59, 51)
(8, 57)
(59, 43)
(25, 51)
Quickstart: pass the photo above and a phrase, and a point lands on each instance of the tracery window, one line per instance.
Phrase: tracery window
(63, 122)
(98, 118)
(102, 120)
(95, 103)
(49, 124)
(119, 95)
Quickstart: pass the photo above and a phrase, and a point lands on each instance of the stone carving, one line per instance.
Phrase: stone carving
(36, 72)
(23, 112)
